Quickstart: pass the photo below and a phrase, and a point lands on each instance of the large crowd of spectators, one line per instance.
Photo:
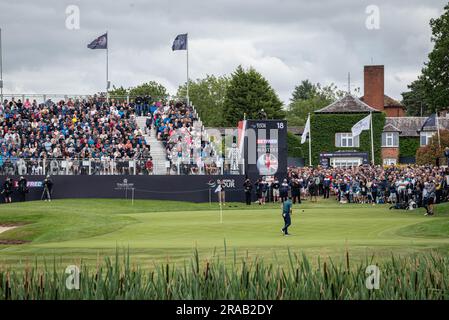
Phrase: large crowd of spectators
(69, 130)
(186, 150)
(406, 187)
(89, 136)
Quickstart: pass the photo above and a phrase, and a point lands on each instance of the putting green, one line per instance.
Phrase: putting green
(155, 231)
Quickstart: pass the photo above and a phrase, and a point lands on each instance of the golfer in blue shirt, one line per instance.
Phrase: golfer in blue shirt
(286, 212)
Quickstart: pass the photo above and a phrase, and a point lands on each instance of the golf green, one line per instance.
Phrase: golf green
(154, 231)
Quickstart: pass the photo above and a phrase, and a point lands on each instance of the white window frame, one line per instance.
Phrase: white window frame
(346, 140)
(389, 138)
(390, 161)
(425, 135)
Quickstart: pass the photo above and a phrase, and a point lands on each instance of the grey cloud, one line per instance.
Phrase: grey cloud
(286, 40)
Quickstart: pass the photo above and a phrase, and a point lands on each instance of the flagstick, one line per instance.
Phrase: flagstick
(372, 138)
(187, 54)
(310, 142)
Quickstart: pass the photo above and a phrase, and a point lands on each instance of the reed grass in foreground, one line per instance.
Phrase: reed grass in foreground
(424, 276)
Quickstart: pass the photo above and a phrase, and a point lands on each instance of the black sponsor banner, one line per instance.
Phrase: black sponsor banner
(180, 188)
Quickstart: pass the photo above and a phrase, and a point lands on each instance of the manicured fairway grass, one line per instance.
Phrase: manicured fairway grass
(161, 231)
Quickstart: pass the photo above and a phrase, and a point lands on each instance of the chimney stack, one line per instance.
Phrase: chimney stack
(374, 87)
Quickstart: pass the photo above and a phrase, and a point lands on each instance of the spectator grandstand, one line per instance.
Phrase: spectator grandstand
(89, 136)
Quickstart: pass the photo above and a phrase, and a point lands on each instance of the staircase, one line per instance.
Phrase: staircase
(157, 150)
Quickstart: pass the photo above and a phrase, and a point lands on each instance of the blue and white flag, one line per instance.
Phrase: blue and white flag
(430, 122)
(362, 125)
(100, 43)
(180, 42)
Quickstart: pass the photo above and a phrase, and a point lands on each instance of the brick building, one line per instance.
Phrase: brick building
(400, 138)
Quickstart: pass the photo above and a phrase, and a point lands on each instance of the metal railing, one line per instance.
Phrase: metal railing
(45, 166)
(55, 97)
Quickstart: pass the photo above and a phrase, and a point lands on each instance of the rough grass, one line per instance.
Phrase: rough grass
(422, 277)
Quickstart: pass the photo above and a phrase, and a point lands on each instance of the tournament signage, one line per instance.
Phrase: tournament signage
(265, 147)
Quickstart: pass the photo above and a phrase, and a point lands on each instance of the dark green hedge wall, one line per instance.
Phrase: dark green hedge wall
(408, 146)
(296, 149)
(324, 127)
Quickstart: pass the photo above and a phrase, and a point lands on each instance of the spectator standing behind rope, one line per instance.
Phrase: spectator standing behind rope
(283, 190)
(296, 190)
(248, 187)
(327, 186)
(275, 186)
(22, 188)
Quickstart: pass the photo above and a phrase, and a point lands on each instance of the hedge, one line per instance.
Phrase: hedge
(408, 146)
(324, 127)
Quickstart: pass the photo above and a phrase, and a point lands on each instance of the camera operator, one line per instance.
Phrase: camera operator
(48, 188)
(7, 190)
(22, 188)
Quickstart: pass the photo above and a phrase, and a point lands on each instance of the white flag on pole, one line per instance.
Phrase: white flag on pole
(362, 125)
(306, 131)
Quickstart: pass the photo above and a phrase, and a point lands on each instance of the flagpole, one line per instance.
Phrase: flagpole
(438, 130)
(372, 138)
(187, 54)
(107, 67)
(310, 142)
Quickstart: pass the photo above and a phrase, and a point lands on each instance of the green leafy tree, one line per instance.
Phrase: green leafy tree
(307, 98)
(248, 93)
(119, 93)
(156, 90)
(306, 90)
(415, 99)
(434, 150)
(208, 96)
(432, 87)
(152, 89)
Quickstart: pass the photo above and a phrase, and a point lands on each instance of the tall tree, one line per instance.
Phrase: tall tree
(436, 70)
(307, 98)
(118, 93)
(415, 99)
(304, 91)
(248, 93)
(434, 150)
(434, 81)
(156, 90)
(208, 96)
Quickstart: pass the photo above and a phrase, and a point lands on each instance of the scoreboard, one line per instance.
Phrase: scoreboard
(265, 147)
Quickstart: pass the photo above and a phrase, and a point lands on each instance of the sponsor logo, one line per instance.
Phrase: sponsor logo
(124, 185)
(227, 183)
(30, 184)
(212, 184)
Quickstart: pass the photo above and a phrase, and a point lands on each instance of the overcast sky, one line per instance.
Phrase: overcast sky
(286, 40)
